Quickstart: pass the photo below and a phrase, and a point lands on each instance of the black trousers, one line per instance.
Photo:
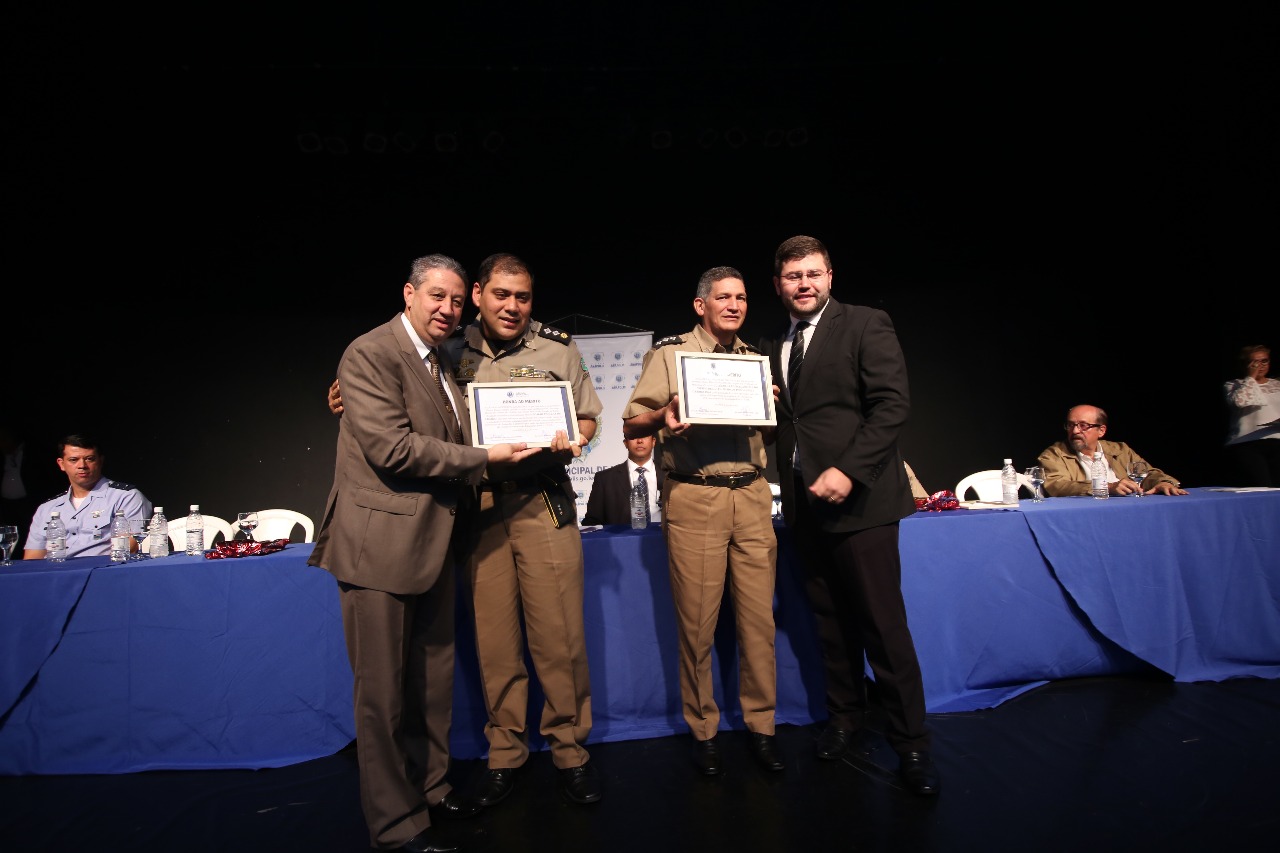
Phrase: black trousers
(854, 585)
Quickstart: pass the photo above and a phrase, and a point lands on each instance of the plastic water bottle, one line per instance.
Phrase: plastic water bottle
(120, 538)
(55, 538)
(159, 530)
(195, 532)
(1008, 484)
(1098, 477)
(639, 508)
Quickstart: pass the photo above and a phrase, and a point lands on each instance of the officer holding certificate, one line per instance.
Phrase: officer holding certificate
(717, 519)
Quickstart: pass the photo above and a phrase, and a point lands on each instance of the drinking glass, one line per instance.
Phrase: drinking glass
(139, 528)
(1036, 475)
(247, 521)
(8, 538)
(1138, 471)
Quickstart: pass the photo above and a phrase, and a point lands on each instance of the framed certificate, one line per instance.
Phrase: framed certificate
(725, 388)
(513, 412)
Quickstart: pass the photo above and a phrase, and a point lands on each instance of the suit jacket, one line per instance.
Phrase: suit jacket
(850, 406)
(610, 498)
(398, 479)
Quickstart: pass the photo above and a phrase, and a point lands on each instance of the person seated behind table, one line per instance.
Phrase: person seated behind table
(1067, 463)
(610, 498)
(88, 506)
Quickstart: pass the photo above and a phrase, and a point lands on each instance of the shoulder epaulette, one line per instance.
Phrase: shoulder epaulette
(752, 349)
(554, 334)
(61, 494)
(124, 487)
(669, 340)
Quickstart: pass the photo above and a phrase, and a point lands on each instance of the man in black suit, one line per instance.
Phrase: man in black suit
(841, 406)
(610, 499)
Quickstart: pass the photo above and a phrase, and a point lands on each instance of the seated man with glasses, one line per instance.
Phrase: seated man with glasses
(1067, 463)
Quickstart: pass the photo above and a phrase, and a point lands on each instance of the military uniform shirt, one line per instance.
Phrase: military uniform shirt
(542, 354)
(89, 527)
(705, 448)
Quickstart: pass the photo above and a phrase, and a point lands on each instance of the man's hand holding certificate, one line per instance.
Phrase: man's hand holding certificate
(514, 412)
(724, 388)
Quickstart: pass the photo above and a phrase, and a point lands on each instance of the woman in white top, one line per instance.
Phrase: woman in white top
(1253, 439)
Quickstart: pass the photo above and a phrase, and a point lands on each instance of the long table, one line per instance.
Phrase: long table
(185, 663)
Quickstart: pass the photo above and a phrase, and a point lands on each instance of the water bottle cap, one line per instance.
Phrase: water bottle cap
(55, 514)
(195, 507)
(1008, 461)
(159, 509)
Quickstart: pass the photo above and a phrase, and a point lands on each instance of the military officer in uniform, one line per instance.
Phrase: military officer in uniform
(88, 506)
(717, 518)
(524, 548)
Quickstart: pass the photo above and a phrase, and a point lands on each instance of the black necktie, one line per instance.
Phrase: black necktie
(797, 357)
(433, 365)
(642, 486)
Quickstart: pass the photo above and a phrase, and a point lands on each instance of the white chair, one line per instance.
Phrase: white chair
(279, 524)
(212, 527)
(986, 485)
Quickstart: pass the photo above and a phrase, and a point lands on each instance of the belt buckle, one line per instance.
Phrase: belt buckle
(736, 480)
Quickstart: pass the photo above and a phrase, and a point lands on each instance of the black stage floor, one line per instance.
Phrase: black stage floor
(1096, 764)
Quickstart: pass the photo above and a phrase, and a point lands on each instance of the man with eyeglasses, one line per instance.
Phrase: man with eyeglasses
(1067, 463)
(842, 402)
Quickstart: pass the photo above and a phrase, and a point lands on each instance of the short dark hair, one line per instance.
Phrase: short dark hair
(795, 248)
(713, 275)
(504, 263)
(77, 439)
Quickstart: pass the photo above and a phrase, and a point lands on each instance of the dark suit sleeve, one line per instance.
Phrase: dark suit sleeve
(595, 501)
(885, 403)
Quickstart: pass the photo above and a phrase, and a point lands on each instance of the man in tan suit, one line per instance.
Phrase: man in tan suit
(403, 467)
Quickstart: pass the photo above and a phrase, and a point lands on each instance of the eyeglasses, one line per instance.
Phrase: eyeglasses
(812, 275)
(1071, 426)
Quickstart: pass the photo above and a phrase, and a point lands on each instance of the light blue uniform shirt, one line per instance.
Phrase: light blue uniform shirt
(89, 527)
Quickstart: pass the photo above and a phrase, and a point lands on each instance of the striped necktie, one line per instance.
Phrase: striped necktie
(433, 365)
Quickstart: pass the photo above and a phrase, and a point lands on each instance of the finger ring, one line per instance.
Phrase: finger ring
(832, 498)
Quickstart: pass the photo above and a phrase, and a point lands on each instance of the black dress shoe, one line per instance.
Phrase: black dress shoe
(454, 807)
(580, 784)
(706, 756)
(765, 750)
(834, 742)
(495, 786)
(918, 773)
(428, 841)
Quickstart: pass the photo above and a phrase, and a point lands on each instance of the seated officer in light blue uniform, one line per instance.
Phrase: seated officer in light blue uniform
(88, 506)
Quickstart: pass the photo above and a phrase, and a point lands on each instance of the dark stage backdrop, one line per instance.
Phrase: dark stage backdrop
(1053, 212)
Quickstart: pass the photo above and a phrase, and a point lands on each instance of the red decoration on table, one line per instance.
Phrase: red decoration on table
(938, 501)
(244, 548)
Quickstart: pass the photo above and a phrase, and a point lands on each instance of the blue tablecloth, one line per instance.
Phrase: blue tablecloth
(189, 663)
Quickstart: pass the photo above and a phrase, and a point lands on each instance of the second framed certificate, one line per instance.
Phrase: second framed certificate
(514, 412)
(725, 388)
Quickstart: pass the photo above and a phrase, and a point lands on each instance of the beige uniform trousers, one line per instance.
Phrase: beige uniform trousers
(521, 564)
(716, 533)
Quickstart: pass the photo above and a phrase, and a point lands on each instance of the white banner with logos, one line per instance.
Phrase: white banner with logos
(614, 363)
